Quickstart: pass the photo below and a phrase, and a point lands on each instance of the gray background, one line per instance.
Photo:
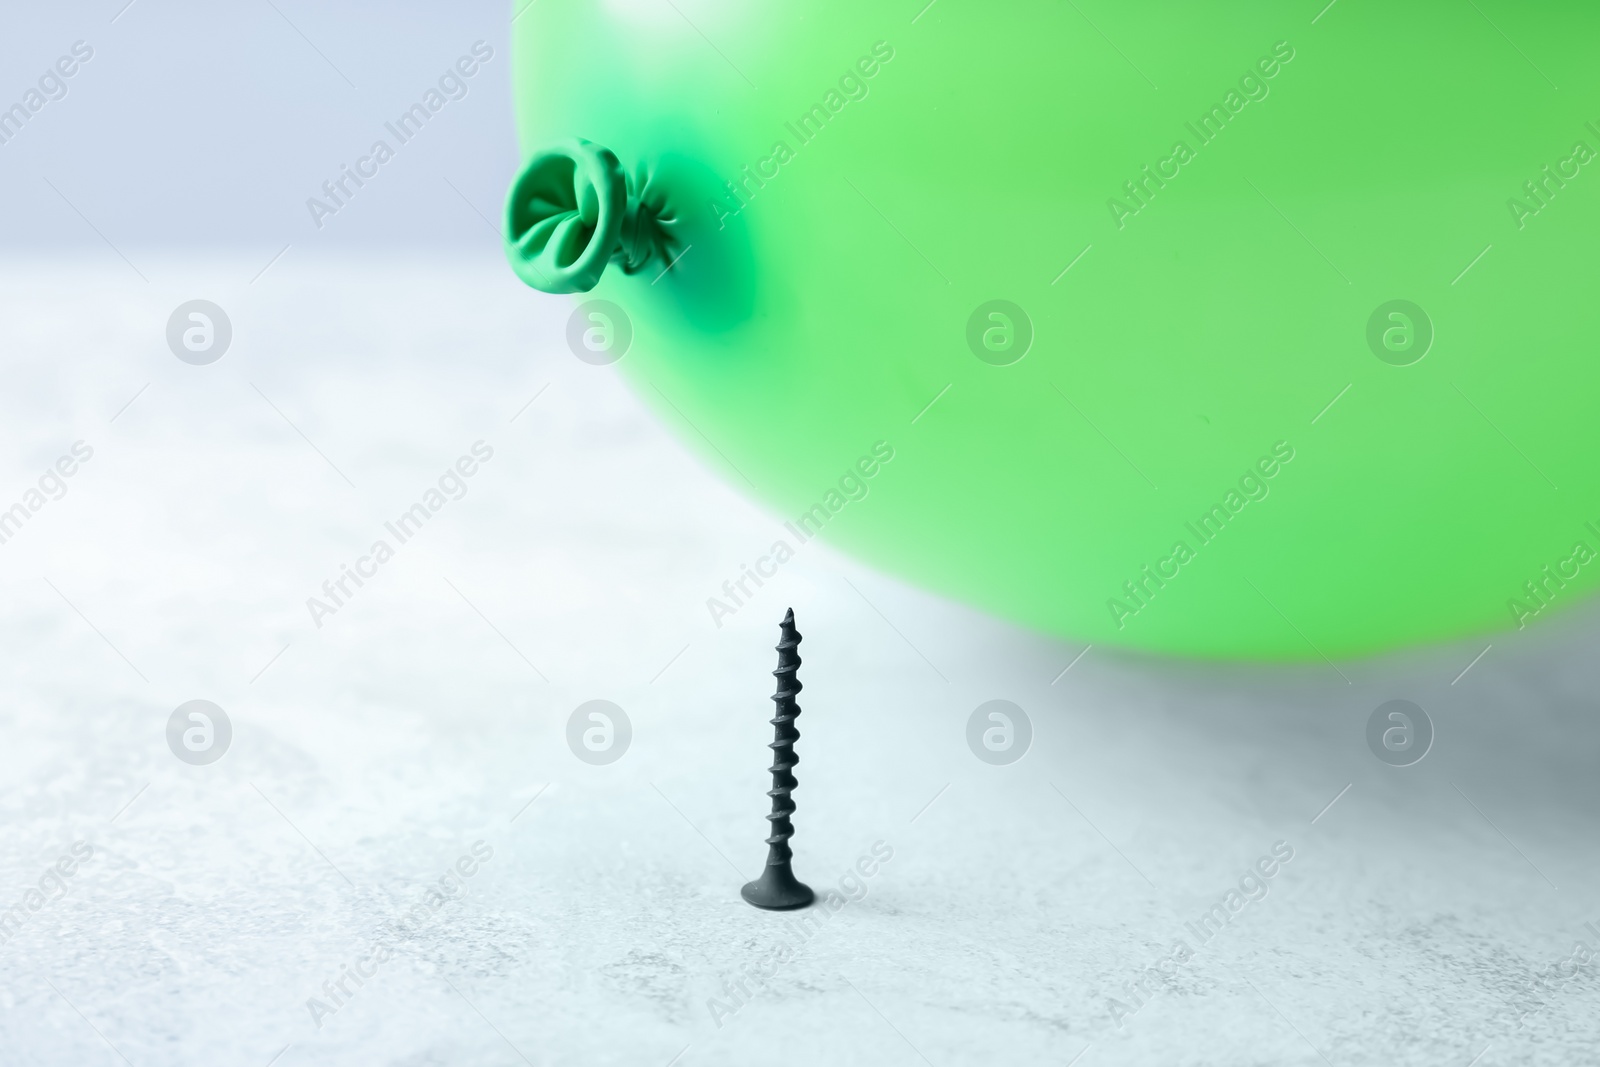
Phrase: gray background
(209, 124)
(430, 712)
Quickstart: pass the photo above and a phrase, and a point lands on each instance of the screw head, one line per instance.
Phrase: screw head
(777, 890)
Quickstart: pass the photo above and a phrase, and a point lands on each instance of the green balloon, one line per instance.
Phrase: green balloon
(1227, 331)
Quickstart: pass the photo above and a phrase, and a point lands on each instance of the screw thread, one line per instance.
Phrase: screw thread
(784, 735)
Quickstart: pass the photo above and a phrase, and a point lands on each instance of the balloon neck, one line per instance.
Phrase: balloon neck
(644, 237)
(572, 210)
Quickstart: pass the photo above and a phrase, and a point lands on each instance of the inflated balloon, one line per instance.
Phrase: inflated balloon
(1218, 330)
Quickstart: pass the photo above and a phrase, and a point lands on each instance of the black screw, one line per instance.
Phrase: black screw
(777, 889)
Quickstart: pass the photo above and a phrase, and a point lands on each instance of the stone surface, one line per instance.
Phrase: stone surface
(370, 756)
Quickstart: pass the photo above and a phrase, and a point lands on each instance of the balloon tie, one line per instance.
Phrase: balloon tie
(573, 209)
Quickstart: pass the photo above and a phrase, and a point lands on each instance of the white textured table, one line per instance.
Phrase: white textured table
(422, 730)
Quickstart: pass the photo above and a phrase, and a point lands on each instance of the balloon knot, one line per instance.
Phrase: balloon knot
(572, 210)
